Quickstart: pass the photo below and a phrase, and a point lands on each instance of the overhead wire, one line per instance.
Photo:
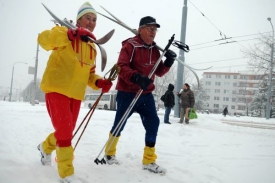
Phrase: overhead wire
(221, 33)
(223, 39)
(217, 61)
(232, 37)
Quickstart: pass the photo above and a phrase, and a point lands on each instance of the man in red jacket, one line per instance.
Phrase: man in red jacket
(137, 57)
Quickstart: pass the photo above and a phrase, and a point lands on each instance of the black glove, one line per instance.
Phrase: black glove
(170, 58)
(142, 81)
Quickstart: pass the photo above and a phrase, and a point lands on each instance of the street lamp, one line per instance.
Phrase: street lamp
(270, 74)
(12, 77)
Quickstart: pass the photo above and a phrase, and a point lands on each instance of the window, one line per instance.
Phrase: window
(226, 91)
(241, 108)
(217, 90)
(244, 84)
(208, 76)
(218, 76)
(226, 83)
(233, 99)
(243, 92)
(208, 83)
(227, 76)
(216, 105)
(234, 92)
(207, 90)
(225, 98)
(235, 84)
(232, 107)
(218, 83)
(224, 106)
(235, 77)
(257, 77)
(216, 98)
(244, 77)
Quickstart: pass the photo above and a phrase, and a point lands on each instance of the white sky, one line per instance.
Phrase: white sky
(206, 150)
(22, 21)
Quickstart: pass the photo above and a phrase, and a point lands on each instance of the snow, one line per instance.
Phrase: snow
(204, 151)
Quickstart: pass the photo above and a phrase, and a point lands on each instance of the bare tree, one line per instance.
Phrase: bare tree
(201, 96)
(245, 95)
(161, 83)
(27, 92)
(259, 54)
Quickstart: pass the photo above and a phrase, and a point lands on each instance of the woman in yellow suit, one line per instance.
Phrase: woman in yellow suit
(70, 68)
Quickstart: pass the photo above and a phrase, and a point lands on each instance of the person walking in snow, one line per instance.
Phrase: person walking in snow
(71, 67)
(187, 100)
(137, 57)
(169, 102)
(225, 111)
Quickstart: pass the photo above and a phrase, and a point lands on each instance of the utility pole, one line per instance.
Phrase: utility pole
(268, 107)
(35, 76)
(10, 94)
(180, 69)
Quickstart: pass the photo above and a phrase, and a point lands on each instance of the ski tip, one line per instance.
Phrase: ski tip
(163, 173)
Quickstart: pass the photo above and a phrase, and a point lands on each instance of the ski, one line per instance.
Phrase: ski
(134, 31)
(102, 40)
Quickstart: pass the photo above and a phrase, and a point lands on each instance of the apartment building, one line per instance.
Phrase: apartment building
(231, 90)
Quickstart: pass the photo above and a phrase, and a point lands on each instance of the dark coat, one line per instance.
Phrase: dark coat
(225, 111)
(187, 98)
(169, 98)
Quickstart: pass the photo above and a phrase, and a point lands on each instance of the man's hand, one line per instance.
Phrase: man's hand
(170, 58)
(141, 80)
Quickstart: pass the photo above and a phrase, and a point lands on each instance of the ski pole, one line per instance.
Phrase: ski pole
(112, 76)
(128, 110)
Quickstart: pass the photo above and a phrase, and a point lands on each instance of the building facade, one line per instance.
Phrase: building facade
(231, 90)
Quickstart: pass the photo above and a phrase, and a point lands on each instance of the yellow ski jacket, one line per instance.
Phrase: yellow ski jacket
(71, 65)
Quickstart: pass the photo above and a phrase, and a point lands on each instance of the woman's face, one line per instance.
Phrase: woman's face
(87, 21)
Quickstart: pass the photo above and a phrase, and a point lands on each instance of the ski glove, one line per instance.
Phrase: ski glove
(104, 84)
(142, 81)
(170, 58)
(80, 33)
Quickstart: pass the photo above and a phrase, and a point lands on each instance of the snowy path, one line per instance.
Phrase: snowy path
(250, 124)
(205, 151)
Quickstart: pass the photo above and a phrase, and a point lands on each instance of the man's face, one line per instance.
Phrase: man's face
(148, 33)
(87, 21)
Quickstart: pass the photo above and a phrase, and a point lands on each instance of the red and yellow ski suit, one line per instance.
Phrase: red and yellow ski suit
(70, 68)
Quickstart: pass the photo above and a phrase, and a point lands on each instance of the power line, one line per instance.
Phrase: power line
(221, 34)
(228, 66)
(221, 44)
(217, 61)
(231, 37)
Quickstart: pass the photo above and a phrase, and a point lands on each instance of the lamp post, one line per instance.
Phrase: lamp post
(12, 78)
(268, 107)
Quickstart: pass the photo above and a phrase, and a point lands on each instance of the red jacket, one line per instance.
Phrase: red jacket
(136, 57)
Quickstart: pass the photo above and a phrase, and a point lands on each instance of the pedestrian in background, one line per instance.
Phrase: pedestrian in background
(169, 102)
(187, 100)
(225, 111)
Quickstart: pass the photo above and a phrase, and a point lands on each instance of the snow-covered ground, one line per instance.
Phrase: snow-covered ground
(205, 151)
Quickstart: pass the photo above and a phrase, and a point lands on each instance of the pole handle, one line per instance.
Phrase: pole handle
(169, 42)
